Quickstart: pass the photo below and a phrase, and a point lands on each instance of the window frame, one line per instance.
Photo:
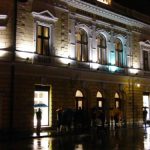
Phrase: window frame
(82, 46)
(119, 52)
(145, 64)
(43, 38)
(101, 49)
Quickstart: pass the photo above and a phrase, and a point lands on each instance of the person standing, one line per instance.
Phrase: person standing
(39, 118)
(144, 116)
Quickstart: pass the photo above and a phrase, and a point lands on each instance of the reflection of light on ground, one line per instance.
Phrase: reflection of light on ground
(42, 134)
(146, 139)
(43, 144)
(78, 147)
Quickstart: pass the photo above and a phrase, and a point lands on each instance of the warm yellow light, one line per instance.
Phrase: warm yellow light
(26, 46)
(138, 85)
(65, 61)
(2, 44)
(25, 55)
(2, 53)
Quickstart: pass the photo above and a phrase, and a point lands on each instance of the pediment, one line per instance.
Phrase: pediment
(147, 42)
(45, 15)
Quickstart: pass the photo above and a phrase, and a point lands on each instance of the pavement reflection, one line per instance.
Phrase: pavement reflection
(116, 139)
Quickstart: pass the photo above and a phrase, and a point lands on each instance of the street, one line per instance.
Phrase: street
(114, 139)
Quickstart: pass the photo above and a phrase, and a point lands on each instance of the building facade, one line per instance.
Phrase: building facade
(71, 54)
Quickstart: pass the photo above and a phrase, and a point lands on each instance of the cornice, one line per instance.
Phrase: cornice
(105, 13)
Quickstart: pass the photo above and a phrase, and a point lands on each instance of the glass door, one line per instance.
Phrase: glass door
(41, 101)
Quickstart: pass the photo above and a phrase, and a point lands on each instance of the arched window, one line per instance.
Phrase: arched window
(99, 98)
(117, 101)
(79, 99)
(119, 52)
(101, 49)
(81, 45)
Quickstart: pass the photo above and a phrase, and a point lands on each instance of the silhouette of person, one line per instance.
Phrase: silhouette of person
(59, 118)
(39, 117)
(144, 116)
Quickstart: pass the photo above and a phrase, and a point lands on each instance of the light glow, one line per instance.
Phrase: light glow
(2, 44)
(104, 1)
(94, 65)
(138, 85)
(65, 61)
(113, 68)
(112, 58)
(25, 55)
(3, 16)
(2, 53)
(26, 46)
(133, 71)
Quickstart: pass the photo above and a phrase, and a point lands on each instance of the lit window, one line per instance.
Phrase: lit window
(119, 52)
(79, 99)
(101, 49)
(82, 45)
(99, 100)
(117, 100)
(42, 41)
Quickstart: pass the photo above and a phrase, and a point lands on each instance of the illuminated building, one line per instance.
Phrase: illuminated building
(70, 54)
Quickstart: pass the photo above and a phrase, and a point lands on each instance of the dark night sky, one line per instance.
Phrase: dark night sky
(139, 5)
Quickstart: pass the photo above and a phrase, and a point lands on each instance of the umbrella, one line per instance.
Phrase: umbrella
(144, 107)
(40, 105)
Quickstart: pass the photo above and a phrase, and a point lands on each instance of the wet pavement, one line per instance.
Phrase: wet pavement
(108, 139)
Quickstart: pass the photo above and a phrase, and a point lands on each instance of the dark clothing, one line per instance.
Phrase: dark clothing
(39, 117)
(144, 116)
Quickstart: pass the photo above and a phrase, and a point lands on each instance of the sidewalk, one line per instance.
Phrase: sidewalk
(54, 133)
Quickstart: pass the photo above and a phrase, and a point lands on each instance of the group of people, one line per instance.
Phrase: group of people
(69, 118)
(80, 118)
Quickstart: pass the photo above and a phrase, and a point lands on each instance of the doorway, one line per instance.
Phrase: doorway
(41, 100)
(146, 104)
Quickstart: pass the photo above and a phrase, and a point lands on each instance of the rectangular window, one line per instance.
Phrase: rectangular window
(145, 60)
(42, 40)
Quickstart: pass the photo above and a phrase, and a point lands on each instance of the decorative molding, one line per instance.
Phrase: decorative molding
(105, 13)
(44, 15)
(145, 45)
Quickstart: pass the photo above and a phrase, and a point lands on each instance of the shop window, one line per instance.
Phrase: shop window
(81, 45)
(101, 49)
(119, 52)
(41, 100)
(42, 40)
(79, 99)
